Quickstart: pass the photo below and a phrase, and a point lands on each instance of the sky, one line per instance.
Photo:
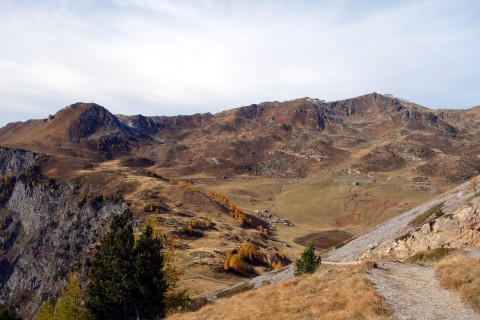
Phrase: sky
(156, 57)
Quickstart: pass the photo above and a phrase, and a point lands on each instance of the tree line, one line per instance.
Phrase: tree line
(127, 279)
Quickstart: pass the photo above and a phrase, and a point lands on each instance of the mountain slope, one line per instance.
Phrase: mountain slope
(284, 139)
(291, 161)
(44, 232)
(85, 129)
(403, 236)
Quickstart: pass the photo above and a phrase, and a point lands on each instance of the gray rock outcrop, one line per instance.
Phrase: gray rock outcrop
(15, 161)
(45, 233)
(459, 228)
(397, 238)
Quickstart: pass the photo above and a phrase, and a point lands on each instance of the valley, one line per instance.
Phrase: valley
(273, 176)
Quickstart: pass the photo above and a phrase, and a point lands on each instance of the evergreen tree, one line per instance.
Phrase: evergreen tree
(151, 284)
(112, 273)
(8, 313)
(308, 261)
(126, 279)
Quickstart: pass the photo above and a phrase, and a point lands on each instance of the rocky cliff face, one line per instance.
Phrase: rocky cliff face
(14, 161)
(449, 220)
(45, 231)
(457, 227)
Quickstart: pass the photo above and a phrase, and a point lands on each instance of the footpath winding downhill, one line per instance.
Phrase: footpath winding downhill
(410, 290)
(395, 227)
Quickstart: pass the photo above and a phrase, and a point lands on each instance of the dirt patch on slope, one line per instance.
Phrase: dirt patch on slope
(325, 239)
(136, 162)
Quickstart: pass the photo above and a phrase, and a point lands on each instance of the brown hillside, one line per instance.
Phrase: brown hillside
(287, 158)
(371, 133)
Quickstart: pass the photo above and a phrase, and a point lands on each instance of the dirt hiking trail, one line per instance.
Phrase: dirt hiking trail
(411, 291)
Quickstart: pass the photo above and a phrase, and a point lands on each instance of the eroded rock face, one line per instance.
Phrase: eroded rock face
(45, 233)
(14, 161)
(459, 227)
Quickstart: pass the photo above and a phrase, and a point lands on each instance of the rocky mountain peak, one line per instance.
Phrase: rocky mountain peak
(92, 119)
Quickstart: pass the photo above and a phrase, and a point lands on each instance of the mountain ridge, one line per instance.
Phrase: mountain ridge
(299, 160)
(304, 134)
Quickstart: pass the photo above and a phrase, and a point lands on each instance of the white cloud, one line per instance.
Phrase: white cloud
(171, 57)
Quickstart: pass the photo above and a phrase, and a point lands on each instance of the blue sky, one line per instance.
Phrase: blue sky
(182, 57)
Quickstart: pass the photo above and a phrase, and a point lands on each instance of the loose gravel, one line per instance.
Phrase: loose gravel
(412, 292)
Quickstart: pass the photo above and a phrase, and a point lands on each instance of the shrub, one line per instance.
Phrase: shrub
(156, 208)
(208, 222)
(434, 255)
(8, 313)
(437, 210)
(152, 174)
(339, 245)
(7, 183)
(262, 230)
(439, 213)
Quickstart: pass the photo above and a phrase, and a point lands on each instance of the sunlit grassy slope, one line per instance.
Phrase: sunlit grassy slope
(330, 293)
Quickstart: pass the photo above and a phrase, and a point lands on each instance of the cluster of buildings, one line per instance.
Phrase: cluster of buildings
(278, 220)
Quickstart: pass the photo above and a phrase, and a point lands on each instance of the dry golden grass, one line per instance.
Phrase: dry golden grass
(324, 202)
(461, 273)
(333, 292)
(318, 203)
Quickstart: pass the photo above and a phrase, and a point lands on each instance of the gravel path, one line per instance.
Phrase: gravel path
(412, 292)
(395, 227)
(205, 277)
(271, 277)
(473, 252)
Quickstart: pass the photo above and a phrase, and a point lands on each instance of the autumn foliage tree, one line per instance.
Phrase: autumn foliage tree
(69, 305)
(242, 218)
(236, 263)
(46, 311)
(248, 252)
(187, 186)
(278, 260)
(262, 230)
(236, 259)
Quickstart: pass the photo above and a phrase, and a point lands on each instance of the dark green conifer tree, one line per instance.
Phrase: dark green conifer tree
(149, 278)
(126, 279)
(308, 261)
(8, 313)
